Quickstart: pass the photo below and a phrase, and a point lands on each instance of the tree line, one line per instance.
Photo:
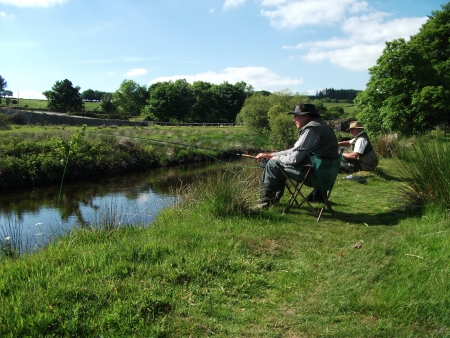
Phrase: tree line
(335, 95)
(169, 101)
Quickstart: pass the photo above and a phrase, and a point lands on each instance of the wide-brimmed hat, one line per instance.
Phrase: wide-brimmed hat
(355, 125)
(304, 108)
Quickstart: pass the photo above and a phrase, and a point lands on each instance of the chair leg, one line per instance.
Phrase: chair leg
(326, 204)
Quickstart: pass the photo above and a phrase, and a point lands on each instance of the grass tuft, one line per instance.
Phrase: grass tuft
(426, 166)
(223, 194)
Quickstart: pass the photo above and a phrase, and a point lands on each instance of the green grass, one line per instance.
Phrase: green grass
(36, 155)
(203, 269)
(349, 109)
(42, 104)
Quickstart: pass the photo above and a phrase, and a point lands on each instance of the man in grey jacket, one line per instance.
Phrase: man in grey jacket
(314, 136)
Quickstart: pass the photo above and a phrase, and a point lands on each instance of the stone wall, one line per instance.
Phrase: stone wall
(43, 118)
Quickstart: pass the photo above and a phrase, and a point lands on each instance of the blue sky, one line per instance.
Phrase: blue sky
(300, 45)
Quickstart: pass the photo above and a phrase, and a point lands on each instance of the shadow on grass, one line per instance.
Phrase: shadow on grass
(388, 218)
(384, 175)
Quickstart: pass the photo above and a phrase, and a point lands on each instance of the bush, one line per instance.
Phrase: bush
(386, 145)
(226, 194)
(425, 165)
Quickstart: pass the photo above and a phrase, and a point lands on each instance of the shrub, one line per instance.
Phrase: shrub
(386, 145)
(225, 194)
(425, 165)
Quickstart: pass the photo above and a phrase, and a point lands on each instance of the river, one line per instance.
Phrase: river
(30, 218)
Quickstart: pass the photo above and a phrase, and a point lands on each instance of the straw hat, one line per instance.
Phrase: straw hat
(355, 125)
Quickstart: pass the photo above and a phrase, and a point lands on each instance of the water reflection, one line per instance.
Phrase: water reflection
(137, 198)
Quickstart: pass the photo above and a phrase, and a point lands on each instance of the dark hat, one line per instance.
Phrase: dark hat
(304, 108)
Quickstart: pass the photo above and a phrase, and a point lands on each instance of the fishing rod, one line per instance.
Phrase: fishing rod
(176, 144)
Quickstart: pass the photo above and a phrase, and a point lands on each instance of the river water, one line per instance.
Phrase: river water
(31, 218)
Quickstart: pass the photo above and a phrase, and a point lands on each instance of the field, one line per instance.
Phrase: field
(349, 109)
(42, 104)
(214, 266)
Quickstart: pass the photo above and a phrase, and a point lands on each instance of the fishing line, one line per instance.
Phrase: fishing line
(179, 144)
(158, 141)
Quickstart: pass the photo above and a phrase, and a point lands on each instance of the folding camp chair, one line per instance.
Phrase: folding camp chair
(321, 175)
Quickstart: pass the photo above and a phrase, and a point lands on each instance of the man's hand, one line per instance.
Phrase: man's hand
(263, 156)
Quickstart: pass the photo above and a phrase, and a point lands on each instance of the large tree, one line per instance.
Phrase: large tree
(64, 97)
(3, 83)
(130, 98)
(409, 88)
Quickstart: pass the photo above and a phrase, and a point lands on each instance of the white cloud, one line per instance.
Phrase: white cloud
(297, 13)
(259, 77)
(356, 57)
(232, 3)
(136, 72)
(364, 30)
(32, 3)
(29, 94)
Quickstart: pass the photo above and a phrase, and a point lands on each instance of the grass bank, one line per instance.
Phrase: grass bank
(213, 267)
(36, 155)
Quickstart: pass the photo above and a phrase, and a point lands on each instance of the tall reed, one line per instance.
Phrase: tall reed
(223, 194)
(11, 238)
(425, 165)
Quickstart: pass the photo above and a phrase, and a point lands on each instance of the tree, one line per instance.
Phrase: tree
(254, 113)
(203, 102)
(64, 97)
(409, 88)
(3, 83)
(282, 130)
(88, 95)
(334, 113)
(107, 104)
(130, 98)
(162, 102)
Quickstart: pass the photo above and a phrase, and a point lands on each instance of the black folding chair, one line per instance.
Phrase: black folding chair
(321, 175)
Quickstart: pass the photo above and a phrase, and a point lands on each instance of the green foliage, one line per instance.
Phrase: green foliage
(93, 95)
(41, 155)
(425, 164)
(224, 194)
(254, 114)
(3, 83)
(256, 109)
(179, 101)
(283, 133)
(64, 97)
(107, 104)
(333, 113)
(409, 88)
(130, 98)
(336, 95)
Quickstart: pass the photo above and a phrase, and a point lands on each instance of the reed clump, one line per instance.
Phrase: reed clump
(224, 194)
(425, 166)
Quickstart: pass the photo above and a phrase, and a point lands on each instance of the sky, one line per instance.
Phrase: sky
(302, 46)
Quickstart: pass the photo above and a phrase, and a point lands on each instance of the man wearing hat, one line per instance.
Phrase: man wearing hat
(314, 136)
(361, 155)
